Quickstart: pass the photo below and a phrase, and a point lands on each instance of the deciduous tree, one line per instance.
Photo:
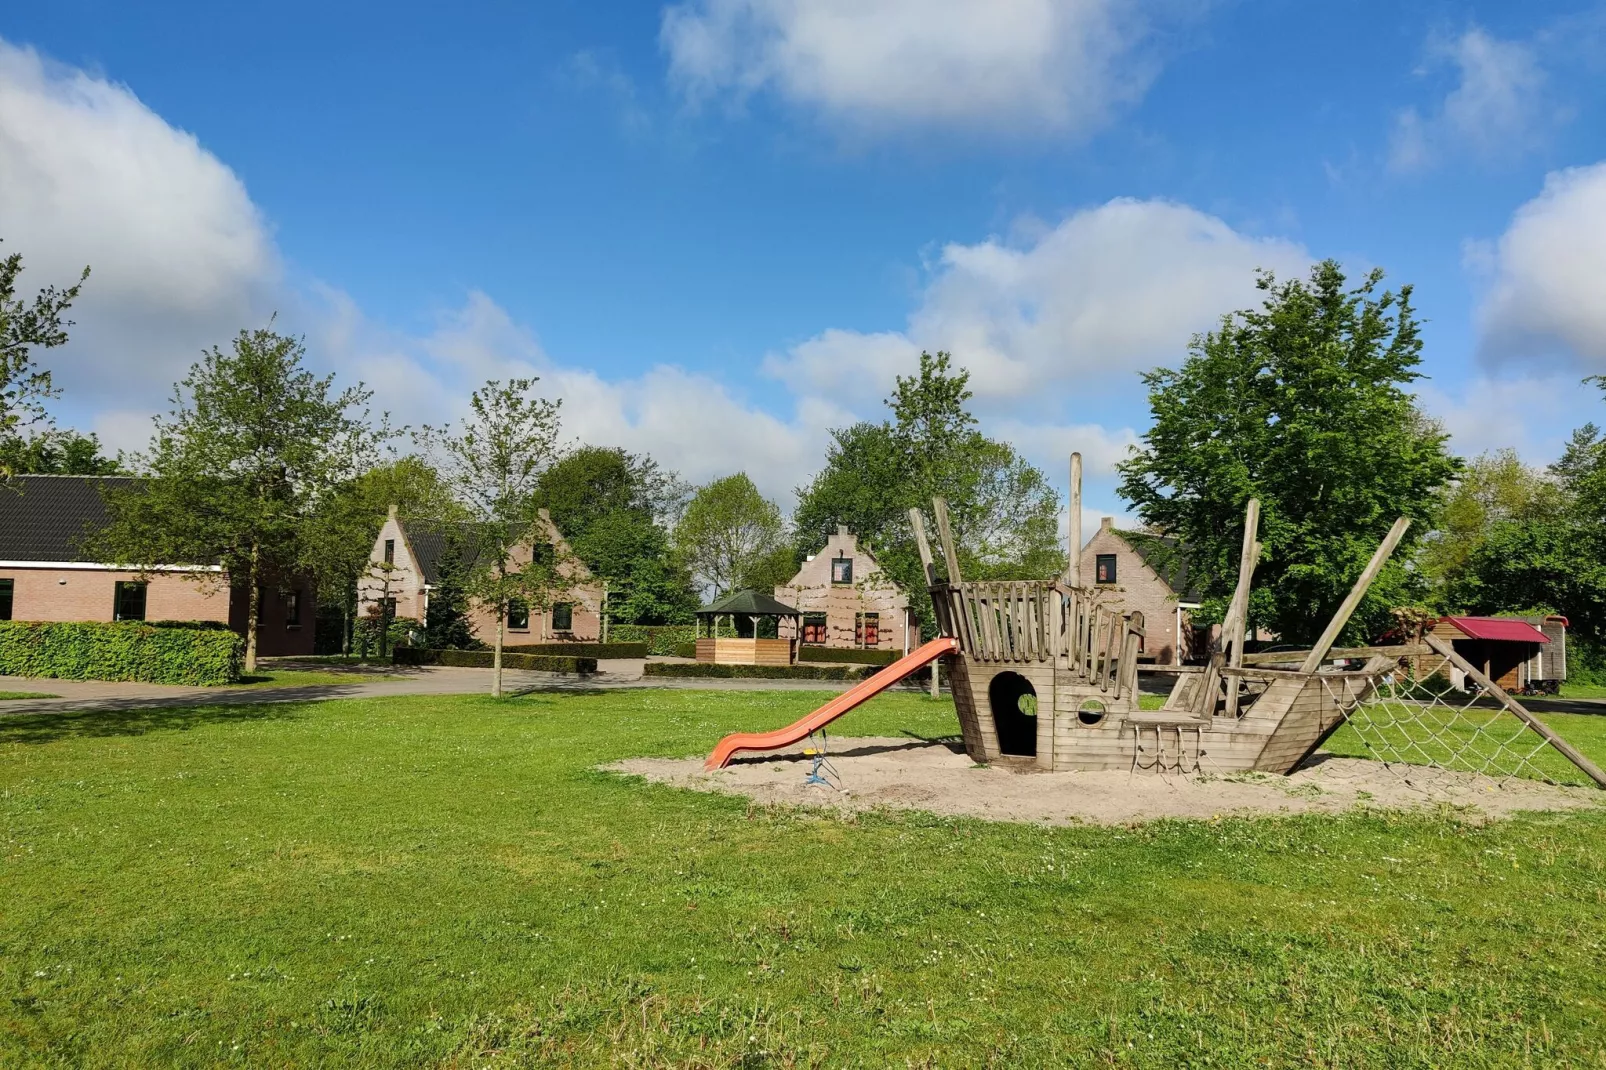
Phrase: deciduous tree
(494, 462)
(1303, 403)
(730, 534)
(25, 386)
(253, 446)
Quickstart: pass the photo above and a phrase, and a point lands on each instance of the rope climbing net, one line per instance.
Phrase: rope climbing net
(1408, 719)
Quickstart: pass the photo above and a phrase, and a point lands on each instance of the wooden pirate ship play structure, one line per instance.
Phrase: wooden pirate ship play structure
(1047, 671)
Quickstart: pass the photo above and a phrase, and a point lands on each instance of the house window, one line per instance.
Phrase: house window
(292, 609)
(541, 555)
(867, 632)
(518, 615)
(841, 570)
(390, 551)
(563, 617)
(7, 592)
(1104, 568)
(128, 600)
(814, 629)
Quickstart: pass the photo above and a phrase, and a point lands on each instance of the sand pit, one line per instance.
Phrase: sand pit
(938, 777)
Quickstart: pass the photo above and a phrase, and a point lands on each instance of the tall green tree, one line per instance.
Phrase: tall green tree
(493, 462)
(1305, 404)
(56, 452)
(1494, 492)
(732, 536)
(1003, 509)
(237, 471)
(337, 542)
(613, 507)
(24, 385)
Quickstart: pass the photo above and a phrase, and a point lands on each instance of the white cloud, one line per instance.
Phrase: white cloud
(1058, 64)
(689, 422)
(180, 256)
(1533, 415)
(1496, 108)
(1110, 290)
(1548, 274)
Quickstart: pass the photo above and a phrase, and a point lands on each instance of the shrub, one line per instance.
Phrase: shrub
(590, 650)
(125, 650)
(661, 639)
(403, 631)
(685, 650)
(759, 672)
(847, 654)
(482, 659)
(196, 625)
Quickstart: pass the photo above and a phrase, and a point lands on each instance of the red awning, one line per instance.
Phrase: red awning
(1502, 629)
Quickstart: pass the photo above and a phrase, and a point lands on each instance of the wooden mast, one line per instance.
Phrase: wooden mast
(1238, 615)
(1073, 569)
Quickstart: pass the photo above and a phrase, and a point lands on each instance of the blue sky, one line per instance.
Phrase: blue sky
(719, 227)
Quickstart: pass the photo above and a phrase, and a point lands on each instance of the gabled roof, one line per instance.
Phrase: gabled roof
(431, 539)
(1501, 629)
(1164, 554)
(48, 518)
(749, 603)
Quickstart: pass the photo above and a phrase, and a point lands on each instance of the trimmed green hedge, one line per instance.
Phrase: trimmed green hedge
(758, 672)
(125, 650)
(482, 659)
(586, 650)
(848, 654)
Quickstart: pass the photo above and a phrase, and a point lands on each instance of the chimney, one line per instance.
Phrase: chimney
(1106, 523)
(393, 510)
(842, 530)
(544, 515)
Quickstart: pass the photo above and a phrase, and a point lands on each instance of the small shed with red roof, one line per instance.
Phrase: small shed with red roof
(1506, 649)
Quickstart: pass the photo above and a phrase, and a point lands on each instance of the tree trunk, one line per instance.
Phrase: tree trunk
(252, 608)
(496, 659)
(345, 627)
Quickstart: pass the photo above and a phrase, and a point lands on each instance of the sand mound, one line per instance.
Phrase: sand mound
(939, 778)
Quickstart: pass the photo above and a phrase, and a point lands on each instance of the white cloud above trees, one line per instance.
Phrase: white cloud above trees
(181, 257)
(1547, 273)
(1062, 65)
(1496, 108)
(1109, 291)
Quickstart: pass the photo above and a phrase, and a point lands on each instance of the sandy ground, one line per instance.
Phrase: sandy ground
(938, 777)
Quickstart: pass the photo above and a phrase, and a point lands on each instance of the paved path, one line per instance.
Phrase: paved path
(77, 695)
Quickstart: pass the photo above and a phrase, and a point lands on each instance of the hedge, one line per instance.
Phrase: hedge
(482, 659)
(847, 654)
(125, 650)
(758, 672)
(588, 650)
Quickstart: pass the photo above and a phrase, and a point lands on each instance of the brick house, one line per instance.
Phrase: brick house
(1147, 573)
(46, 576)
(847, 601)
(407, 557)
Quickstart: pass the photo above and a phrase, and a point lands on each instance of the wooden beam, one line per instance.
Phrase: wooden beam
(1238, 615)
(1073, 567)
(1380, 556)
(1590, 769)
(939, 509)
(917, 521)
(1294, 657)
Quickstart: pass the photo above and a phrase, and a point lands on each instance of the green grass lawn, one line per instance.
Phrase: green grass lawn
(450, 882)
(1571, 690)
(25, 694)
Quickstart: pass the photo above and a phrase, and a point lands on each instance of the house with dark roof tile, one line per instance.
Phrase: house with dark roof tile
(48, 574)
(1147, 572)
(406, 563)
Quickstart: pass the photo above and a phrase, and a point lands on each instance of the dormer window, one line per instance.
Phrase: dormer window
(390, 551)
(841, 570)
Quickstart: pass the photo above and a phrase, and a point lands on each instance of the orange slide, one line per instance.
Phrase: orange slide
(849, 699)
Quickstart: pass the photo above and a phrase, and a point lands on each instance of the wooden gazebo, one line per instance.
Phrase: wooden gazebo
(745, 610)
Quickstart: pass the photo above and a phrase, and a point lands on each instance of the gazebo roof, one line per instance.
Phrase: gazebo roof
(749, 603)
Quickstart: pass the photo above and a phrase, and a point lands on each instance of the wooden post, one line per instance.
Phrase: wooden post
(1074, 567)
(917, 521)
(1590, 769)
(604, 611)
(936, 688)
(1379, 558)
(1238, 615)
(939, 509)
